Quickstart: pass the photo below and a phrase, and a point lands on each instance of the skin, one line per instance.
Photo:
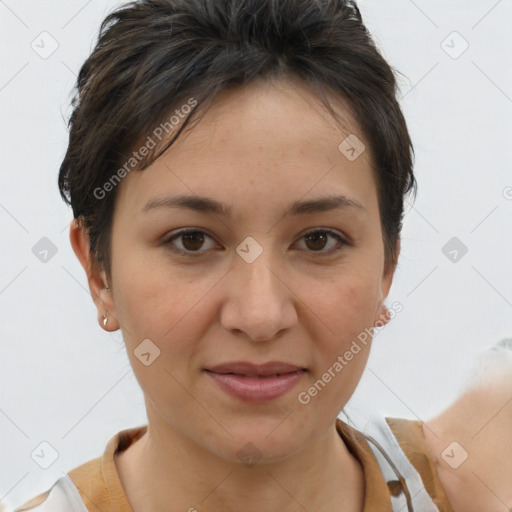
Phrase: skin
(480, 421)
(258, 149)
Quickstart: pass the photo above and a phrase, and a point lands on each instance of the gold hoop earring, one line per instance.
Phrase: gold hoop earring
(105, 320)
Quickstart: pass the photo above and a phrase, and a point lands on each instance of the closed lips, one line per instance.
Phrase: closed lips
(254, 383)
(246, 369)
(254, 375)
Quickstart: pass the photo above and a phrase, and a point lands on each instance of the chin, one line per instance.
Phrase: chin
(266, 442)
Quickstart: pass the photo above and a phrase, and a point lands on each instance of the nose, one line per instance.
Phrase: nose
(259, 302)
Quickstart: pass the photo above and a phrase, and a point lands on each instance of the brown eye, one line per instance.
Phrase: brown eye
(192, 242)
(317, 241)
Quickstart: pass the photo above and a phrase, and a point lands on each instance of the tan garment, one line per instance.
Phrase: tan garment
(101, 490)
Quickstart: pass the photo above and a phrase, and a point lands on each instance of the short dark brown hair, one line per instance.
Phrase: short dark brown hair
(153, 55)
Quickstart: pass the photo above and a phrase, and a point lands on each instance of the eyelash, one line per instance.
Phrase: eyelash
(197, 253)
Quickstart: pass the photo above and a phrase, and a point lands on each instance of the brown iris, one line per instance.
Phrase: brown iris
(193, 240)
(319, 240)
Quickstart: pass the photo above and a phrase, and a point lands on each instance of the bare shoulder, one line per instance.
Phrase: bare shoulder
(471, 440)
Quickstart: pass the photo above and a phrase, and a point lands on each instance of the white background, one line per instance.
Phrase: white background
(65, 381)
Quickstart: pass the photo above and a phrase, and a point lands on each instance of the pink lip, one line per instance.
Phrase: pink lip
(256, 383)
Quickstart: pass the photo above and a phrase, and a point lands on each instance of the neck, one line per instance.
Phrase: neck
(164, 467)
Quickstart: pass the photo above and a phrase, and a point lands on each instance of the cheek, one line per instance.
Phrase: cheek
(346, 309)
(160, 311)
(169, 309)
(346, 306)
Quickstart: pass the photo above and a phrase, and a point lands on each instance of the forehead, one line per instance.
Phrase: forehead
(284, 115)
(268, 137)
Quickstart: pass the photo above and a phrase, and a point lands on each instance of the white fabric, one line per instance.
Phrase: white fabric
(63, 497)
(379, 430)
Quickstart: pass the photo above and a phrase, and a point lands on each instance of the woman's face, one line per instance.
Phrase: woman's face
(266, 280)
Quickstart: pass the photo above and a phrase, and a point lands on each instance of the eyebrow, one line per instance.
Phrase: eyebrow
(209, 205)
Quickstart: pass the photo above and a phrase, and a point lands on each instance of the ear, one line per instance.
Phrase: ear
(382, 315)
(98, 286)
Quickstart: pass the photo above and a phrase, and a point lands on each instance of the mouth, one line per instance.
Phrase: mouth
(256, 383)
(272, 368)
